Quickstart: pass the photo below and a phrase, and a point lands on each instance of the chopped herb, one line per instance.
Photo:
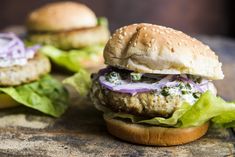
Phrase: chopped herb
(165, 91)
(113, 77)
(188, 86)
(181, 85)
(135, 76)
(184, 92)
(196, 95)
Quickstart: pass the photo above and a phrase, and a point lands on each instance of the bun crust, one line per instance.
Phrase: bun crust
(7, 101)
(151, 135)
(61, 16)
(151, 48)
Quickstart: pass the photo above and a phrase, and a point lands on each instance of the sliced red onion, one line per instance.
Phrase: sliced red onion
(127, 86)
(104, 70)
(13, 51)
(197, 86)
(132, 87)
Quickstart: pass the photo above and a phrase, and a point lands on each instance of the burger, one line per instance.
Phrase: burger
(71, 34)
(157, 87)
(24, 78)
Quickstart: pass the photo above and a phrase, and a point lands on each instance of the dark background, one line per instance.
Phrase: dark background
(211, 17)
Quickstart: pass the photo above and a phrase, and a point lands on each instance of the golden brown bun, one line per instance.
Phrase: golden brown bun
(7, 101)
(152, 135)
(61, 16)
(151, 48)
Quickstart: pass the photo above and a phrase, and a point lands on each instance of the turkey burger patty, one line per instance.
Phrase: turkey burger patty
(36, 67)
(162, 101)
(76, 38)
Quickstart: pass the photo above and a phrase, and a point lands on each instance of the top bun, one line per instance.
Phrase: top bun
(61, 16)
(148, 48)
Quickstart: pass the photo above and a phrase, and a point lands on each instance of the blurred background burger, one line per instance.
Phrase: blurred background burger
(71, 34)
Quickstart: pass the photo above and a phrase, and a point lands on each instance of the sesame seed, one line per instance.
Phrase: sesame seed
(134, 44)
(145, 35)
(120, 37)
(179, 43)
(124, 33)
(144, 28)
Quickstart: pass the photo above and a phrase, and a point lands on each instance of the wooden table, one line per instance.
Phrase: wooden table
(81, 130)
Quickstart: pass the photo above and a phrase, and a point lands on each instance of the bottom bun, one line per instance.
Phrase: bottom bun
(152, 135)
(7, 101)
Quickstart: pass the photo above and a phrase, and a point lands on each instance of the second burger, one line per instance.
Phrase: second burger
(72, 35)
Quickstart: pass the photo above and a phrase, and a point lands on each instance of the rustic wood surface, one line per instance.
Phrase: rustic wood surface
(81, 130)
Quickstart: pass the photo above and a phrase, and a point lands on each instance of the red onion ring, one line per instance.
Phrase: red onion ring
(191, 83)
(13, 51)
(132, 87)
(127, 86)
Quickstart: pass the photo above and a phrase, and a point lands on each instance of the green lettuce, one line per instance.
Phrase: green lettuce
(71, 59)
(207, 108)
(80, 81)
(46, 95)
(102, 21)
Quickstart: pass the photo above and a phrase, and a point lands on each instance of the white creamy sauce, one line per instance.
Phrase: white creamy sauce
(189, 98)
(3, 42)
(12, 62)
(13, 52)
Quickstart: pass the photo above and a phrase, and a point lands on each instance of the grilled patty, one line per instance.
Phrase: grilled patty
(33, 70)
(72, 39)
(147, 104)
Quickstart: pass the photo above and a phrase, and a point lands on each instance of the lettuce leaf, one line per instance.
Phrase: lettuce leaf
(46, 95)
(81, 81)
(207, 108)
(71, 59)
(102, 21)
